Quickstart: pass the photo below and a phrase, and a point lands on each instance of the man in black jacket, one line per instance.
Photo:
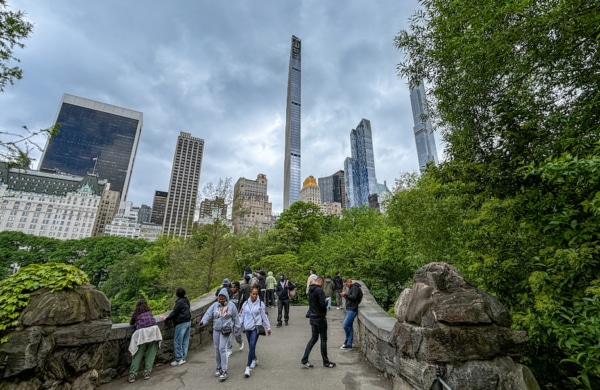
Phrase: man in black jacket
(181, 317)
(282, 290)
(317, 304)
(353, 297)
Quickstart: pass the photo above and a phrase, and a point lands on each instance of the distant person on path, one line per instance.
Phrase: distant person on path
(225, 319)
(317, 304)
(311, 279)
(328, 290)
(245, 288)
(144, 341)
(353, 298)
(262, 280)
(270, 283)
(226, 284)
(236, 298)
(182, 318)
(253, 314)
(283, 299)
(338, 283)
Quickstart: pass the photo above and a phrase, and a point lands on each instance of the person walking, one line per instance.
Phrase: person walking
(328, 290)
(182, 319)
(312, 276)
(282, 290)
(252, 315)
(270, 285)
(236, 298)
(317, 304)
(245, 288)
(353, 298)
(338, 286)
(226, 284)
(225, 319)
(144, 341)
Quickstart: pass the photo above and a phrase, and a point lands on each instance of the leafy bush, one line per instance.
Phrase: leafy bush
(16, 290)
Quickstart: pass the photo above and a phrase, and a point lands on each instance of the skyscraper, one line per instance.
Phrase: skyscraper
(94, 138)
(359, 170)
(332, 189)
(183, 186)
(426, 149)
(251, 206)
(158, 207)
(291, 172)
(310, 191)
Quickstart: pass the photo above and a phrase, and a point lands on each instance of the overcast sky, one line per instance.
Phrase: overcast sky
(218, 70)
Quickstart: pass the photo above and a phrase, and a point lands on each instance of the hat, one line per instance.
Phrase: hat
(225, 281)
(282, 276)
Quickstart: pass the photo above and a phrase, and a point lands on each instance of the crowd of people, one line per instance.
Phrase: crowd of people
(242, 308)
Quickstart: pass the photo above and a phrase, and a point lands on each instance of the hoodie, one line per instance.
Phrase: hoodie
(317, 305)
(352, 297)
(221, 315)
(271, 281)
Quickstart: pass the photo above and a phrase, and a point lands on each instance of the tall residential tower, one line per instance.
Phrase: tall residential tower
(359, 170)
(423, 130)
(291, 172)
(95, 138)
(183, 187)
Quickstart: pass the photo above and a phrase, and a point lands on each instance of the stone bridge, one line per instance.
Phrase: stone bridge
(443, 326)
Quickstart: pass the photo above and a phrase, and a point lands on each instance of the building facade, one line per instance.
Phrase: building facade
(183, 186)
(333, 189)
(359, 169)
(292, 162)
(211, 209)
(108, 208)
(61, 206)
(94, 138)
(426, 149)
(310, 191)
(126, 224)
(158, 207)
(251, 206)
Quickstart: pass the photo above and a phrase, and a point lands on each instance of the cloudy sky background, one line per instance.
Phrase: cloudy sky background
(218, 70)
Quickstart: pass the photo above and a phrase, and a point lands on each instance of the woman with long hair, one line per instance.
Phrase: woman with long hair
(253, 314)
(144, 341)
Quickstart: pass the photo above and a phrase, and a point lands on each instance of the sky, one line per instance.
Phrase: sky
(218, 70)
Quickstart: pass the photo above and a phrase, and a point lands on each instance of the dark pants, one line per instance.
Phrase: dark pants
(283, 304)
(271, 297)
(318, 327)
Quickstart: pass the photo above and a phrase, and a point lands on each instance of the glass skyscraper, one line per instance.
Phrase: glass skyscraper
(359, 170)
(183, 186)
(332, 189)
(426, 149)
(291, 172)
(95, 138)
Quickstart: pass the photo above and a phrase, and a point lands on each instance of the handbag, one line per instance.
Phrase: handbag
(261, 330)
(226, 329)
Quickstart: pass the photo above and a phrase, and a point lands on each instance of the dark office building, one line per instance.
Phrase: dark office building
(332, 189)
(95, 138)
(158, 207)
(144, 214)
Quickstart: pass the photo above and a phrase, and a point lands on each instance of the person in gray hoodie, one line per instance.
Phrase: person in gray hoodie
(225, 319)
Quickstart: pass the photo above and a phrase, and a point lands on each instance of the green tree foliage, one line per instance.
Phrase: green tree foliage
(14, 28)
(514, 88)
(304, 217)
(16, 290)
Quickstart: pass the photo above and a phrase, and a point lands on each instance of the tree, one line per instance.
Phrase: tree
(306, 217)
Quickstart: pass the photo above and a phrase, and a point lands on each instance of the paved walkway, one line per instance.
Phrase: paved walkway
(278, 363)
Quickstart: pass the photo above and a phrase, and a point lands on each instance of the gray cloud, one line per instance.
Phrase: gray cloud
(218, 70)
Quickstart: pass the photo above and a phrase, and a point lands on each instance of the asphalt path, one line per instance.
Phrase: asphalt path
(278, 363)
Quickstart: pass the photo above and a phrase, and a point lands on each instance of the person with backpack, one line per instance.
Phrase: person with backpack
(283, 290)
(353, 298)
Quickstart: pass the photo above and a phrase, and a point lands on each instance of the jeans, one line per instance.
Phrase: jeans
(252, 336)
(181, 340)
(338, 298)
(329, 303)
(283, 305)
(318, 327)
(347, 325)
(270, 297)
(147, 349)
(221, 341)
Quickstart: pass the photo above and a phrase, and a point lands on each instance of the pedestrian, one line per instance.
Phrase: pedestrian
(144, 341)
(312, 276)
(338, 283)
(253, 315)
(225, 319)
(245, 288)
(353, 298)
(226, 284)
(262, 280)
(317, 304)
(270, 283)
(328, 290)
(236, 298)
(282, 290)
(182, 319)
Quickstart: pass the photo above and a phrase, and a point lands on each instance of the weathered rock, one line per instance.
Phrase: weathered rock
(65, 307)
(496, 310)
(401, 306)
(26, 349)
(440, 276)
(82, 333)
(421, 300)
(86, 381)
(460, 307)
(31, 384)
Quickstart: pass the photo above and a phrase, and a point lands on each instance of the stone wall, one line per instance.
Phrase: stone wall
(67, 342)
(444, 323)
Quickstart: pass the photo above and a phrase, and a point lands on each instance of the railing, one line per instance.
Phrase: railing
(439, 372)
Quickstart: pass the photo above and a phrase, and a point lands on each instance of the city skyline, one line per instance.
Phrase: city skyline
(220, 72)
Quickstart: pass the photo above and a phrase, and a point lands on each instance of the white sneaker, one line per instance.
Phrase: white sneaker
(247, 372)
(223, 376)
(218, 372)
(180, 362)
(242, 346)
(229, 352)
(177, 362)
(254, 363)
